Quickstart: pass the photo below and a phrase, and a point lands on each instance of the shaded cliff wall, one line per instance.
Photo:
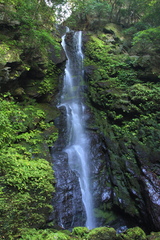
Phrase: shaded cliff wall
(124, 98)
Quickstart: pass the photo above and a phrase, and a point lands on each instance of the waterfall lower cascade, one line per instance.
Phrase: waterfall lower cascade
(78, 144)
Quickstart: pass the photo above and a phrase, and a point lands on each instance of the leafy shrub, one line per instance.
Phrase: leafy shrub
(26, 188)
(48, 234)
(26, 179)
(147, 41)
(80, 231)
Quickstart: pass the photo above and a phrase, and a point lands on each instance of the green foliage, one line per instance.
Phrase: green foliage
(108, 63)
(112, 75)
(122, 12)
(49, 84)
(26, 178)
(151, 16)
(100, 233)
(105, 213)
(147, 41)
(124, 106)
(85, 12)
(8, 52)
(16, 119)
(27, 186)
(24, 124)
(52, 138)
(48, 234)
(80, 231)
(35, 28)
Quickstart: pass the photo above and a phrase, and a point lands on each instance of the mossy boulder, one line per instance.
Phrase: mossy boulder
(102, 233)
(135, 233)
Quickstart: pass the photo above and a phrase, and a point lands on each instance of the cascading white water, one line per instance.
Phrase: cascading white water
(78, 147)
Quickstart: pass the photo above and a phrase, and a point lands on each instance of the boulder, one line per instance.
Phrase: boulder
(135, 233)
(102, 233)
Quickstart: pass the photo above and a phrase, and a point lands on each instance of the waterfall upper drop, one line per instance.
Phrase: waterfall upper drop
(78, 142)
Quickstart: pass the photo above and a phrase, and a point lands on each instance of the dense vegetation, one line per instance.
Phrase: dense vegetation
(121, 12)
(26, 176)
(122, 68)
(26, 126)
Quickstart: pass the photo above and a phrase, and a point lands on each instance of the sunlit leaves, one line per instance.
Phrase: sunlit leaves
(24, 173)
(148, 40)
(26, 189)
(26, 179)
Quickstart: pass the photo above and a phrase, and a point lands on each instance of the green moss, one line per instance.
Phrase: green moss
(135, 233)
(48, 234)
(27, 177)
(9, 53)
(154, 236)
(27, 187)
(51, 112)
(129, 105)
(80, 231)
(61, 236)
(102, 233)
(48, 86)
(106, 214)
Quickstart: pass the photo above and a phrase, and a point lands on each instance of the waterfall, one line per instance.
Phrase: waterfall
(78, 142)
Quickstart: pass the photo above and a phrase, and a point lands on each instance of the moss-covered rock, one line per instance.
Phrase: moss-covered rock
(102, 233)
(9, 53)
(135, 233)
(124, 99)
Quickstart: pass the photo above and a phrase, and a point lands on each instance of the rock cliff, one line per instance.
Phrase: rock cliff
(124, 98)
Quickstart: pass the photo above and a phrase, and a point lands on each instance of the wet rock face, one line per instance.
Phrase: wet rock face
(151, 194)
(67, 202)
(150, 184)
(59, 57)
(100, 178)
(125, 188)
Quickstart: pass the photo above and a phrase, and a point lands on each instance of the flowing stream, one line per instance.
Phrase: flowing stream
(78, 145)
